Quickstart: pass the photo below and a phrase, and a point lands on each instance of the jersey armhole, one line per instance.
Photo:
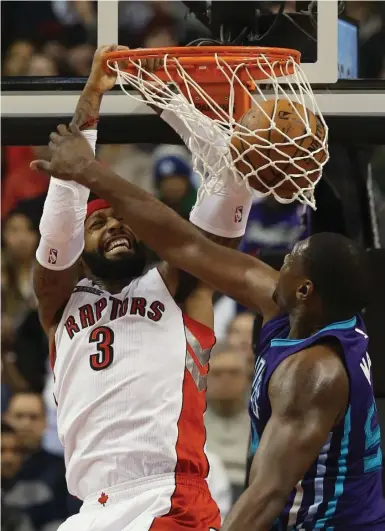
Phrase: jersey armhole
(335, 344)
(271, 329)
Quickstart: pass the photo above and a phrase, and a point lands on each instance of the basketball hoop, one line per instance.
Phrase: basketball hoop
(210, 88)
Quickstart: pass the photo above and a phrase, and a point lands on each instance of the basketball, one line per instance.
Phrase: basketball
(282, 118)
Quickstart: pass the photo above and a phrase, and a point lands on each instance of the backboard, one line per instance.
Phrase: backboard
(30, 98)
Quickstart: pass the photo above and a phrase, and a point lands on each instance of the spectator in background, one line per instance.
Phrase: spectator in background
(17, 58)
(19, 181)
(39, 489)
(11, 460)
(24, 345)
(11, 379)
(20, 237)
(26, 415)
(239, 337)
(151, 24)
(55, 51)
(132, 162)
(227, 421)
(173, 180)
(11, 456)
(41, 65)
(79, 59)
(234, 329)
(79, 18)
(219, 484)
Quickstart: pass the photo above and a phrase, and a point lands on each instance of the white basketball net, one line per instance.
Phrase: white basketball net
(209, 140)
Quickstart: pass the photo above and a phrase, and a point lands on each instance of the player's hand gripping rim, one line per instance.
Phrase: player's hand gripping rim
(102, 80)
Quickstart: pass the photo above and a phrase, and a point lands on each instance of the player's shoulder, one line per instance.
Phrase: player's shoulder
(315, 371)
(316, 358)
(310, 381)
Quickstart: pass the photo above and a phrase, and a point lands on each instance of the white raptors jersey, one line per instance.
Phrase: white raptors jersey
(130, 379)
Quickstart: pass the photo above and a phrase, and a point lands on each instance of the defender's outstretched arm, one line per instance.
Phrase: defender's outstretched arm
(246, 279)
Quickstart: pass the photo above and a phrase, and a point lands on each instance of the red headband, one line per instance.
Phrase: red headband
(96, 204)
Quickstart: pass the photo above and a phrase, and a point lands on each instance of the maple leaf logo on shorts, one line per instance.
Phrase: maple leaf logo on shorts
(103, 499)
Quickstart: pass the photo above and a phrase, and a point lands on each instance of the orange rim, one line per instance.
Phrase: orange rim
(197, 56)
(200, 63)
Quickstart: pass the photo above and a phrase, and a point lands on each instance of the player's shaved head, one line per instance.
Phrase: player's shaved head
(328, 274)
(339, 270)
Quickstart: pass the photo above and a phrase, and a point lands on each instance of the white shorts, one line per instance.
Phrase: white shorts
(165, 503)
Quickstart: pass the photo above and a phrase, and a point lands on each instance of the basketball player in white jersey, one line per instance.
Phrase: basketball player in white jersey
(129, 352)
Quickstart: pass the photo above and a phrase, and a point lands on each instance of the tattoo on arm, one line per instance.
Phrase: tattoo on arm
(87, 110)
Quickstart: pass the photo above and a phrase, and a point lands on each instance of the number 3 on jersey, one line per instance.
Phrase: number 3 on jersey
(104, 339)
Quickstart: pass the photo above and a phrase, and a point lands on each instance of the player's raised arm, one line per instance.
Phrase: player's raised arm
(308, 395)
(242, 277)
(221, 217)
(62, 222)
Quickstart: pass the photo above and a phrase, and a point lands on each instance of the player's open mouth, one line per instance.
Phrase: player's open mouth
(118, 245)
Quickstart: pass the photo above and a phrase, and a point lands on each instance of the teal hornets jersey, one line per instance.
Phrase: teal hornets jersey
(342, 490)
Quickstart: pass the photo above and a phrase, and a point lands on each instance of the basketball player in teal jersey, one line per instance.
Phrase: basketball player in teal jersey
(316, 438)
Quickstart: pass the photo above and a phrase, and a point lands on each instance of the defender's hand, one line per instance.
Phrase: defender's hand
(70, 154)
(99, 80)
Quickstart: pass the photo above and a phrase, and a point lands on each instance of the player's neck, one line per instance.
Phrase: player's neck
(305, 325)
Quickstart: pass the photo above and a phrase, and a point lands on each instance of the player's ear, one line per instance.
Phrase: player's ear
(304, 290)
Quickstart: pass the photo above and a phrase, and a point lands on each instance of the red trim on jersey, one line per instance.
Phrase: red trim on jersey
(191, 458)
(52, 355)
(192, 508)
(96, 204)
(191, 505)
(203, 333)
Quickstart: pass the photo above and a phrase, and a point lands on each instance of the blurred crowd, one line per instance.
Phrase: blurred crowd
(58, 38)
